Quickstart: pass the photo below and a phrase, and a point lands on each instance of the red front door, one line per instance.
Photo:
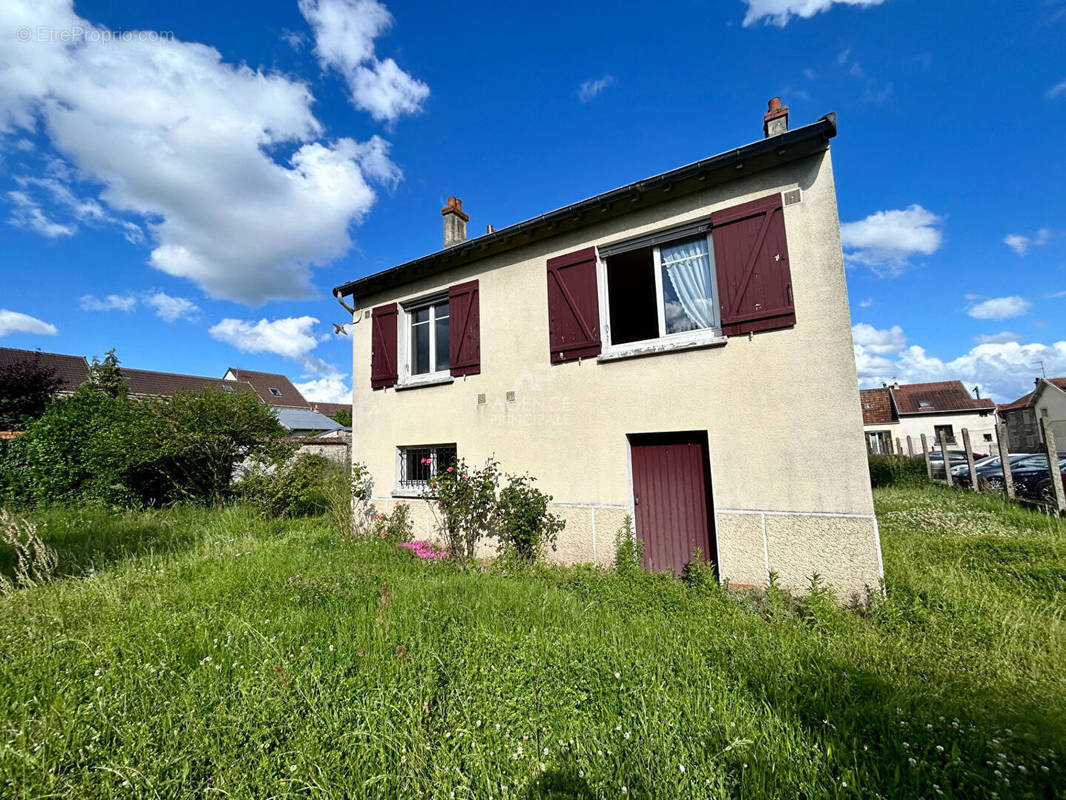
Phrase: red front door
(671, 498)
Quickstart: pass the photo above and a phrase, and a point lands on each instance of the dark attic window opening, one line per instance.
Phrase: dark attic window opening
(633, 310)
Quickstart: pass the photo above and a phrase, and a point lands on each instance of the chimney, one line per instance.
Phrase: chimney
(454, 222)
(775, 120)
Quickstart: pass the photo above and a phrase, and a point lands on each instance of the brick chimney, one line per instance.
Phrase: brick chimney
(454, 222)
(775, 120)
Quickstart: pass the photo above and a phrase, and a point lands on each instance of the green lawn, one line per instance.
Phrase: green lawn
(197, 653)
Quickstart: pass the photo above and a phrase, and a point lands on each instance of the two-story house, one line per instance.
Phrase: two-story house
(678, 350)
(895, 412)
(1022, 417)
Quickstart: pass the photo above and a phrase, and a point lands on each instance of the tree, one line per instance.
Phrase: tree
(106, 377)
(25, 388)
(344, 416)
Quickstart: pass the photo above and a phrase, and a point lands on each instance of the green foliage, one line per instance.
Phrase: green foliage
(466, 500)
(295, 488)
(26, 387)
(216, 652)
(889, 470)
(34, 562)
(395, 527)
(698, 573)
(110, 449)
(628, 550)
(105, 376)
(349, 500)
(524, 525)
(344, 416)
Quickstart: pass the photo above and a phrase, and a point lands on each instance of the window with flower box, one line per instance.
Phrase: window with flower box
(415, 465)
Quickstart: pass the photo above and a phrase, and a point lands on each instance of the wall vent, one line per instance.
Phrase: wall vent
(481, 400)
(793, 196)
(510, 397)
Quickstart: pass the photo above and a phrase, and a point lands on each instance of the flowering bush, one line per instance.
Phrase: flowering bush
(524, 524)
(396, 527)
(467, 502)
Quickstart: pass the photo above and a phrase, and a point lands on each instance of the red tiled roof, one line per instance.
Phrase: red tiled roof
(263, 382)
(164, 384)
(329, 409)
(925, 398)
(72, 370)
(876, 407)
(1023, 401)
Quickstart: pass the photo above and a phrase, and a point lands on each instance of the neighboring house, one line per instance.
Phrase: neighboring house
(1022, 417)
(329, 409)
(677, 350)
(305, 422)
(273, 389)
(902, 410)
(71, 370)
(149, 383)
(879, 420)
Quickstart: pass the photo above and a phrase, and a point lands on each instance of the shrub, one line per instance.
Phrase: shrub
(524, 524)
(294, 489)
(349, 500)
(628, 549)
(26, 387)
(886, 470)
(396, 526)
(698, 573)
(97, 447)
(467, 502)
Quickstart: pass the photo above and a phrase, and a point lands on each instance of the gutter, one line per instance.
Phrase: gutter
(722, 168)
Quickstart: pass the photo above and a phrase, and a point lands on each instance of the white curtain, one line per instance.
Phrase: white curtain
(687, 266)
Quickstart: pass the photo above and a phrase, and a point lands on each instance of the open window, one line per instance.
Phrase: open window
(661, 287)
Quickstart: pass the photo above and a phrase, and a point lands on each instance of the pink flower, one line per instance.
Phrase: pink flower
(427, 461)
(449, 469)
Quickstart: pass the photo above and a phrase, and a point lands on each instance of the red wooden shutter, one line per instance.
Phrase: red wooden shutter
(383, 347)
(573, 306)
(751, 258)
(464, 329)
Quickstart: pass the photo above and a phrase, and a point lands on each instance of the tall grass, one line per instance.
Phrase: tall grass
(218, 654)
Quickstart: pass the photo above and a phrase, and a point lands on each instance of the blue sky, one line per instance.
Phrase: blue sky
(187, 181)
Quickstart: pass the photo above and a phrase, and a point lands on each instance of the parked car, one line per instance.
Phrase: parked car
(988, 466)
(1027, 474)
(1043, 491)
(1034, 481)
(955, 458)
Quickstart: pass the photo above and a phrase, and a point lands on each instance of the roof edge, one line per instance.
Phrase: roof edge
(721, 168)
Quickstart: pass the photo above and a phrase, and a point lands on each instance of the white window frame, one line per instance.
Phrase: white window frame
(404, 339)
(423, 489)
(664, 342)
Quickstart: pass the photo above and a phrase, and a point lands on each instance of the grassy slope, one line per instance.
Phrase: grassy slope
(212, 652)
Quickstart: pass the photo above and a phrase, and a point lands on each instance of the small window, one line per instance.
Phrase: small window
(661, 290)
(275, 392)
(924, 404)
(867, 405)
(949, 433)
(428, 342)
(988, 437)
(226, 388)
(416, 465)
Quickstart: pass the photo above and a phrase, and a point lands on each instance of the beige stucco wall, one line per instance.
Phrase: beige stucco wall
(781, 409)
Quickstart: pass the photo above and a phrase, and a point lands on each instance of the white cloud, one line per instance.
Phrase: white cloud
(27, 214)
(1057, 90)
(291, 336)
(780, 12)
(869, 301)
(1020, 244)
(886, 240)
(878, 341)
(325, 390)
(345, 31)
(589, 89)
(14, 322)
(1004, 370)
(999, 308)
(294, 39)
(998, 338)
(326, 383)
(189, 143)
(113, 302)
(172, 309)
